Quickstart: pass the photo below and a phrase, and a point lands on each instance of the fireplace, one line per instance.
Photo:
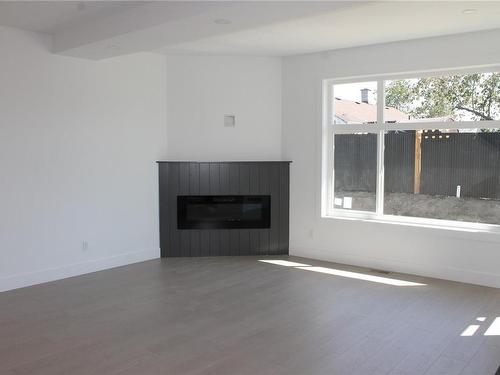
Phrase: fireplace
(223, 211)
(225, 208)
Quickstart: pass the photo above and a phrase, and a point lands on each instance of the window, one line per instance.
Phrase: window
(355, 166)
(421, 150)
(354, 103)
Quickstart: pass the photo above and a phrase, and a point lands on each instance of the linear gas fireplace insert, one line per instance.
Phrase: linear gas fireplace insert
(223, 211)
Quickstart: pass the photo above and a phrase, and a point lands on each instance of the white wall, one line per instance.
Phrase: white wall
(78, 144)
(78, 141)
(462, 256)
(201, 89)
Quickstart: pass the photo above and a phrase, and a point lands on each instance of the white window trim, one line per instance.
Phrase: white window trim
(329, 129)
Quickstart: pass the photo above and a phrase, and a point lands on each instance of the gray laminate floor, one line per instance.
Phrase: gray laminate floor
(236, 315)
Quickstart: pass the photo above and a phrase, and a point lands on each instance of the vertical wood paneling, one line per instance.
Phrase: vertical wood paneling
(224, 242)
(284, 205)
(252, 178)
(185, 235)
(165, 209)
(194, 189)
(204, 178)
(214, 178)
(194, 178)
(254, 184)
(183, 179)
(244, 173)
(214, 236)
(245, 248)
(265, 170)
(274, 233)
(254, 236)
(224, 189)
(173, 189)
(224, 184)
(195, 245)
(234, 178)
(204, 243)
(234, 189)
(234, 242)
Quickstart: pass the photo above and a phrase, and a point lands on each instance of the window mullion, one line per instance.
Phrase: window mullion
(328, 149)
(379, 200)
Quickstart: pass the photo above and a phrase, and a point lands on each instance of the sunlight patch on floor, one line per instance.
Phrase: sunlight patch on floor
(285, 263)
(494, 328)
(470, 330)
(361, 276)
(342, 273)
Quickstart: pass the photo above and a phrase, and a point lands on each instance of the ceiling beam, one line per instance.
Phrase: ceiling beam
(154, 25)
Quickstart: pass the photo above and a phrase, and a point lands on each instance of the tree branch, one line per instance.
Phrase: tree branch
(477, 113)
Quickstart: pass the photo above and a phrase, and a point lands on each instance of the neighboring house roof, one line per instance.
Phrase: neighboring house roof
(350, 112)
(435, 119)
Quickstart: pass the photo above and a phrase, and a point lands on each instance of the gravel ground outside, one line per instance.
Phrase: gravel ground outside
(434, 207)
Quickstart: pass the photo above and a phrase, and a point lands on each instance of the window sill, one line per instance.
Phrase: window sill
(476, 231)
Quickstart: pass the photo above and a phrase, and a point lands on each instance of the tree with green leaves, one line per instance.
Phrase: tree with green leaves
(462, 97)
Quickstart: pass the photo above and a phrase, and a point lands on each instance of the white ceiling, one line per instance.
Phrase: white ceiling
(53, 16)
(101, 29)
(365, 24)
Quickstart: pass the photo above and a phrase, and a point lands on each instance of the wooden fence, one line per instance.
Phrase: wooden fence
(431, 163)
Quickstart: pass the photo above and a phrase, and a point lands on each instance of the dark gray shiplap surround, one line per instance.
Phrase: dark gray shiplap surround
(221, 178)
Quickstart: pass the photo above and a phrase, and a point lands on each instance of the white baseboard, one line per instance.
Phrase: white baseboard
(70, 270)
(435, 271)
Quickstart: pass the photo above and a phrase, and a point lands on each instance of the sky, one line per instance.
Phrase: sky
(352, 91)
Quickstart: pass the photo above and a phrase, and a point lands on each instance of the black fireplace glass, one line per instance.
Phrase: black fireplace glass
(223, 211)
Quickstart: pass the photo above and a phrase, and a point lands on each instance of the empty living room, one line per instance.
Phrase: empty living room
(249, 187)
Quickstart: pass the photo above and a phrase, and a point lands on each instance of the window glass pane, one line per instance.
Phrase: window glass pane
(466, 97)
(355, 103)
(355, 166)
(443, 174)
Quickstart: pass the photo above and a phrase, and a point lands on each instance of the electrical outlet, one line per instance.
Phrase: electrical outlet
(85, 245)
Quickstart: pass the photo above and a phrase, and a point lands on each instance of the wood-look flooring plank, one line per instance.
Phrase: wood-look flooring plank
(485, 361)
(237, 315)
(446, 366)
